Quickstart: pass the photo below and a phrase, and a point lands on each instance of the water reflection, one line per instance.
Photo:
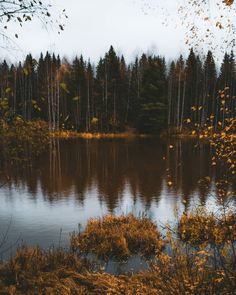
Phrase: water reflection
(77, 167)
(78, 179)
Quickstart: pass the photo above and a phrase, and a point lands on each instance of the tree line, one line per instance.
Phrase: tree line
(147, 95)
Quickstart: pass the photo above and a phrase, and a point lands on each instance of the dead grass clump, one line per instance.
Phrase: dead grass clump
(118, 237)
(33, 271)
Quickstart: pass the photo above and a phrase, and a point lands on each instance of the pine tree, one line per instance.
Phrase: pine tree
(153, 101)
(209, 86)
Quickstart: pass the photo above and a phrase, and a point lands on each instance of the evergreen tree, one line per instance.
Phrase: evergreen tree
(114, 96)
(209, 86)
(192, 80)
(153, 100)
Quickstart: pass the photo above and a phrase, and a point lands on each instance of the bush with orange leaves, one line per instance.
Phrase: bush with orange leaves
(200, 227)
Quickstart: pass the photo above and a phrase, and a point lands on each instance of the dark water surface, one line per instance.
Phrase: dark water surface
(75, 180)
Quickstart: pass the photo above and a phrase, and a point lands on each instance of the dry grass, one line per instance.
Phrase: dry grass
(34, 272)
(187, 270)
(118, 237)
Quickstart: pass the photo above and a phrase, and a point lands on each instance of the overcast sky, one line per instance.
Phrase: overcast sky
(130, 26)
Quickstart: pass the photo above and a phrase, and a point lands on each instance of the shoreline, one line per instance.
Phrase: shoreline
(32, 127)
(66, 134)
(98, 135)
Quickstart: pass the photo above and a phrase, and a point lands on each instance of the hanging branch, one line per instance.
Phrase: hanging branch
(22, 11)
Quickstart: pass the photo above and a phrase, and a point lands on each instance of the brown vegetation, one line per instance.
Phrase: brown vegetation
(118, 236)
(203, 228)
(89, 135)
(188, 267)
(21, 140)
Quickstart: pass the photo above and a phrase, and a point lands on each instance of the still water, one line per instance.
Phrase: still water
(74, 180)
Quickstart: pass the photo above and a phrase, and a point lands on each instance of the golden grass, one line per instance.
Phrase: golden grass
(186, 270)
(32, 271)
(118, 237)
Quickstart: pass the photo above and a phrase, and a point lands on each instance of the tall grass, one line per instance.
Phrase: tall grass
(199, 261)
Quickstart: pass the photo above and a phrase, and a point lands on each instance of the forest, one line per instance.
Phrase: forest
(148, 95)
(118, 177)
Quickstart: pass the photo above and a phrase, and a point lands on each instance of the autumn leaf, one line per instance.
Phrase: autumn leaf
(94, 121)
(26, 72)
(8, 90)
(64, 87)
(76, 98)
(228, 2)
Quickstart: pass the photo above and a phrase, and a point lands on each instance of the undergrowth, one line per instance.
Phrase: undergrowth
(192, 262)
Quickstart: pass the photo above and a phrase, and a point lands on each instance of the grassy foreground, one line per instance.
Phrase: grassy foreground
(194, 263)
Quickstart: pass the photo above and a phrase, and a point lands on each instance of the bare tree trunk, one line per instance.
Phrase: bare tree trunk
(183, 104)
(49, 100)
(114, 108)
(178, 105)
(106, 95)
(128, 100)
(88, 107)
(58, 105)
(169, 102)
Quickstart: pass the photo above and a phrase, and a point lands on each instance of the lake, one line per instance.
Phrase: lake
(76, 179)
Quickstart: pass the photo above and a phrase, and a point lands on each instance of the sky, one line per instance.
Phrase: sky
(131, 26)
(93, 25)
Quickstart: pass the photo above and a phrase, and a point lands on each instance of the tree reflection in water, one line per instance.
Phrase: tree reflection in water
(145, 166)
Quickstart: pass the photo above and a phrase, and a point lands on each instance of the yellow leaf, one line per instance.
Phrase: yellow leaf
(64, 87)
(94, 121)
(76, 98)
(26, 72)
